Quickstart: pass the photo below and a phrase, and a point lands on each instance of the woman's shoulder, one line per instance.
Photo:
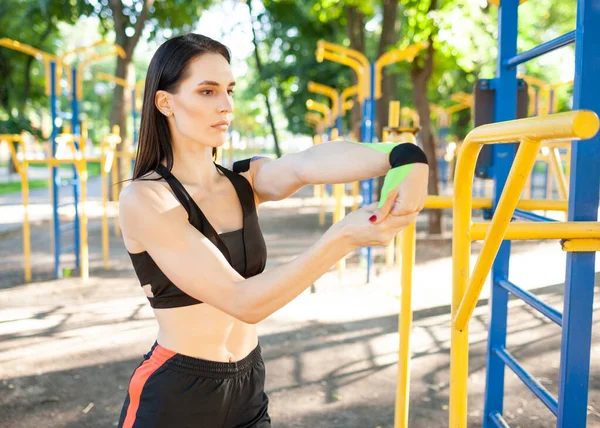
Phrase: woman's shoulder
(146, 192)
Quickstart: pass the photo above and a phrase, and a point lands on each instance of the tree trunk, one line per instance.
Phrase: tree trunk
(420, 74)
(356, 34)
(389, 36)
(259, 68)
(118, 114)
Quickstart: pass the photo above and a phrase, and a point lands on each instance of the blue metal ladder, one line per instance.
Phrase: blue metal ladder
(576, 319)
(57, 184)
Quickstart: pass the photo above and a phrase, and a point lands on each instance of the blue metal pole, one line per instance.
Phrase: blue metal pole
(505, 108)
(76, 178)
(370, 139)
(442, 163)
(532, 183)
(545, 181)
(583, 206)
(364, 184)
(134, 117)
(544, 48)
(55, 172)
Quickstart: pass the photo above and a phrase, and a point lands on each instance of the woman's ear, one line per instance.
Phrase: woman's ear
(161, 101)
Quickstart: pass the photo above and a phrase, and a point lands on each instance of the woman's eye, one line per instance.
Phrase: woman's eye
(230, 91)
(206, 92)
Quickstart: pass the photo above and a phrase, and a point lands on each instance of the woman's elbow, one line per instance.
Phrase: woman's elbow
(251, 316)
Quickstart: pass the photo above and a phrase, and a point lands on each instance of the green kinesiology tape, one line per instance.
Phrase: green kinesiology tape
(402, 158)
(393, 178)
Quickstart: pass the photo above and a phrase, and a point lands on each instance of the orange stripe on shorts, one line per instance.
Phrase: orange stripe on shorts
(159, 356)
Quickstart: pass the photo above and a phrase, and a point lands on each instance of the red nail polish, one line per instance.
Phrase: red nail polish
(373, 218)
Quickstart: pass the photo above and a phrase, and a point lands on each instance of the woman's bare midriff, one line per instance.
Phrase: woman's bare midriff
(201, 331)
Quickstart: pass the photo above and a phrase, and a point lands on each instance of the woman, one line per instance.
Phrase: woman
(191, 229)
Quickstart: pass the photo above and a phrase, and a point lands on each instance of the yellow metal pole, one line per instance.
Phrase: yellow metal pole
(392, 57)
(26, 226)
(578, 124)
(115, 50)
(355, 195)
(405, 323)
(339, 214)
(329, 92)
(362, 73)
(105, 239)
(459, 351)
(352, 58)
(321, 108)
(29, 50)
(550, 183)
(582, 245)
(393, 122)
(82, 170)
(559, 174)
(506, 206)
(536, 231)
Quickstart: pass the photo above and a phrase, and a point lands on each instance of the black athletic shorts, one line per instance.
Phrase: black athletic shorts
(170, 390)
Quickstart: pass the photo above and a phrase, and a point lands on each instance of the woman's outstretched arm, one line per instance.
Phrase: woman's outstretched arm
(327, 163)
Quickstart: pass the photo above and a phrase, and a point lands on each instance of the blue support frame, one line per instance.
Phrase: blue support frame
(55, 171)
(576, 319)
(76, 179)
(505, 108)
(583, 206)
(367, 131)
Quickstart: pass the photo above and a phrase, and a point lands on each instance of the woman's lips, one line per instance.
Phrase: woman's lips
(223, 126)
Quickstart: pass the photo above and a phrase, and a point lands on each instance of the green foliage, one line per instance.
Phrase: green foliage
(288, 35)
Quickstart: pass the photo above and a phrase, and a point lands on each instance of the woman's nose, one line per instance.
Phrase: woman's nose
(226, 105)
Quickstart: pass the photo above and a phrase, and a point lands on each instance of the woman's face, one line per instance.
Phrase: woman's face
(201, 109)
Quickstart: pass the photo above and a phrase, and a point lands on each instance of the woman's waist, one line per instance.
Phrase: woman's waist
(204, 367)
(214, 341)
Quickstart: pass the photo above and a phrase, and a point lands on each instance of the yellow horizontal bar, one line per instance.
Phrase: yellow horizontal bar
(350, 91)
(561, 84)
(462, 97)
(329, 92)
(321, 108)
(391, 57)
(581, 245)
(125, 155)
(18, 46)
(114, 79)
(582, 124)
(11, 138)
(534, 81)
(353, 53)
(116, 50)
(542, 205)
(522, 230)
(363, 74)
(444, 202)
(52, 161)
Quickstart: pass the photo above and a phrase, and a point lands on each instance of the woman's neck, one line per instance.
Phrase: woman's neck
(193, 164)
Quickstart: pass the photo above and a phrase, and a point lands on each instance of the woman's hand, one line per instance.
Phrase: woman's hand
(408, 197)
(357, 231)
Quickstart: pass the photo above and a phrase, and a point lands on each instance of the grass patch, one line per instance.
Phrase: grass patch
(15, 186)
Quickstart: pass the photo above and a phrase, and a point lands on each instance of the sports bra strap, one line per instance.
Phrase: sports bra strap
(182, 195)
(242, 188)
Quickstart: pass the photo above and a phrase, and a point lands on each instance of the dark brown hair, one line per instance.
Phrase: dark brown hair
(167, 68)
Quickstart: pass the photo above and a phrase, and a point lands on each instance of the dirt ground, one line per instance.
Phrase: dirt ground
(67, 349)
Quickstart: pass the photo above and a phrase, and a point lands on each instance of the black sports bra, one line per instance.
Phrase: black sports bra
(244, 249)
